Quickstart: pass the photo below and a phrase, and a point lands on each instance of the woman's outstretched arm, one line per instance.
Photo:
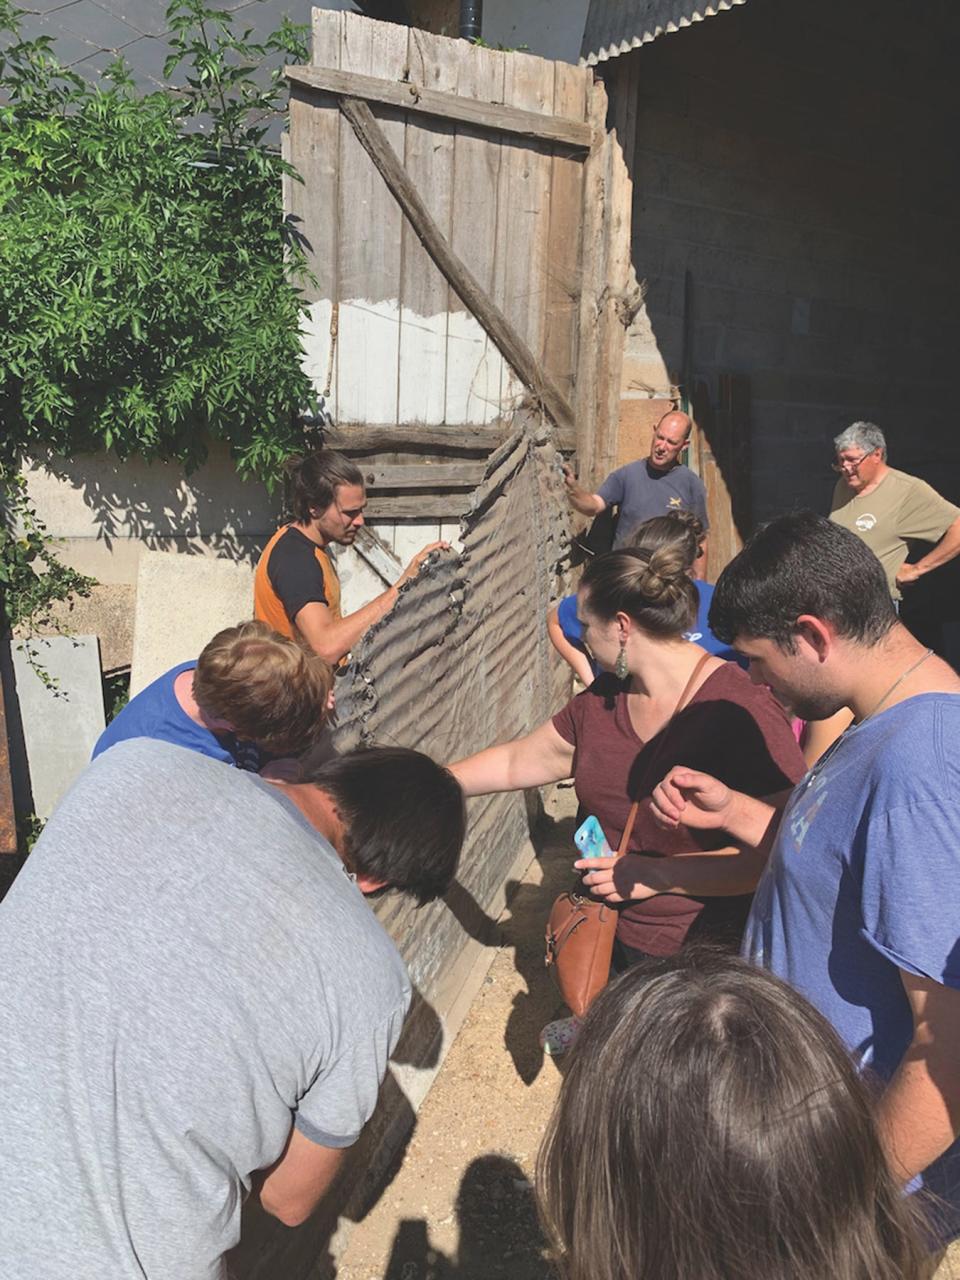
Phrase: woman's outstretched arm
(541, 757)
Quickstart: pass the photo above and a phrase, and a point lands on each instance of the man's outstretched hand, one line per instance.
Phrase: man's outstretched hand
(413, 568)
(692, 799)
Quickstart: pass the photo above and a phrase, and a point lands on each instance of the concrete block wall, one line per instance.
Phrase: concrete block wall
(796, 159)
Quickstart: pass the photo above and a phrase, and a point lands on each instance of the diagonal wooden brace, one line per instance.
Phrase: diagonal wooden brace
(515, 351)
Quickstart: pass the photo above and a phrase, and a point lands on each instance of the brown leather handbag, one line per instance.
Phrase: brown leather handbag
(580, 933)
(580, 929)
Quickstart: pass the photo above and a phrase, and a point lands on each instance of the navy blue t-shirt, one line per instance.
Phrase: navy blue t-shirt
(641, 492)
(156, 713)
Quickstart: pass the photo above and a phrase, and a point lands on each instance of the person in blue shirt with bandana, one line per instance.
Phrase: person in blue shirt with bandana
(680, 527)
(252, 696)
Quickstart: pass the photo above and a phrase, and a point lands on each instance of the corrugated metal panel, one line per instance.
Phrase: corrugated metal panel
(617, 26)
(463, 661)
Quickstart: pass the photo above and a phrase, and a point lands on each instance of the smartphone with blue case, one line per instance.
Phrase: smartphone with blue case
(590, 840)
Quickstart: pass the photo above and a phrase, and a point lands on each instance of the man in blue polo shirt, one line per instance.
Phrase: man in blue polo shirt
(652, 486)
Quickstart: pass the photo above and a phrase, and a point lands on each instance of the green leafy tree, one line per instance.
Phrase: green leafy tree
(149, 282)
(147, 273)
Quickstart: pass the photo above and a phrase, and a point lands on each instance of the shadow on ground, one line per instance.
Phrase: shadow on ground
(522, 930)
(500, 1237)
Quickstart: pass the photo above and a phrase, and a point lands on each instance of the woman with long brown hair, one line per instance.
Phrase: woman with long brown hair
(729, 1138)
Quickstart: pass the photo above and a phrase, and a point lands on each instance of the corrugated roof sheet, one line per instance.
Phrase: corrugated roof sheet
(463, 661)
(617, 26)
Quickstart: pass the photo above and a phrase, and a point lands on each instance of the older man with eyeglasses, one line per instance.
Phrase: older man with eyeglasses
(889, 509)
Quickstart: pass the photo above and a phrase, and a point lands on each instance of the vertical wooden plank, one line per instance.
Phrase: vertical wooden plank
(592, 266)
(8, 822)
(524, 205)
(312, 146)
(369, 240)
(424, 292)
(562, 258)
(618, 286)
(474, 369)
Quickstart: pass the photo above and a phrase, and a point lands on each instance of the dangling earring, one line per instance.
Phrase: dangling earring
(620, 669)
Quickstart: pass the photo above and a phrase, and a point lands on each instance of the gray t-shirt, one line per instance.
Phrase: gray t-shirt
(185, 970)
(641, 492)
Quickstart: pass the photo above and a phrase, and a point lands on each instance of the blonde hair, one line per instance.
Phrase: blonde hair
(269, 688)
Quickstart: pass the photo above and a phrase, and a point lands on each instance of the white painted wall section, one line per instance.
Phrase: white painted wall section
(392, 365)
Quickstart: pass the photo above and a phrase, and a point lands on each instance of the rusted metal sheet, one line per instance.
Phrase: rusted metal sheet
(617, 26)
(463, 661)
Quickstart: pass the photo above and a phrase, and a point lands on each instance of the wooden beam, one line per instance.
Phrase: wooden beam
(404, 506)
(393, 438)
(423, 475)
(515, 351)
(377, 555)
(447, 106)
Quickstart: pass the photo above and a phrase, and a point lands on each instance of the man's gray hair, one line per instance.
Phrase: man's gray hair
(862, 435)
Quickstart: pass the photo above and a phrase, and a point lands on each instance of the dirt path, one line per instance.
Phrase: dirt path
(460, 1206)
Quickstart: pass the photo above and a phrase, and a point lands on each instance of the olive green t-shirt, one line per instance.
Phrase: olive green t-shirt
(900, 509)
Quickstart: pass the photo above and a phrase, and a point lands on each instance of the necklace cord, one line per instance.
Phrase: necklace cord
(896, 684)
(818, 765)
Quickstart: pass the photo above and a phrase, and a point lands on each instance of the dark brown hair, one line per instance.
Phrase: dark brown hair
(712, 1125)
(313, 481)
(269, 688)
(802, 563)
(403, 814)
(652, 587)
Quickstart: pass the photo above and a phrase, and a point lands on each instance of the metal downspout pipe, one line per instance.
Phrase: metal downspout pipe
(471, 19)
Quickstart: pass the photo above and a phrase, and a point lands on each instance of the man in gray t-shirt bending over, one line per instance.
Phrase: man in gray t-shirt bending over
(196, 999)
(652, 486)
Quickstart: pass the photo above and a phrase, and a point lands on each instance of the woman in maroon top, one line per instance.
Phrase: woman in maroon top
(617, 741)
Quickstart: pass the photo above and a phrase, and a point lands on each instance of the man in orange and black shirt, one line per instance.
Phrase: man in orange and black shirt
(296, 588)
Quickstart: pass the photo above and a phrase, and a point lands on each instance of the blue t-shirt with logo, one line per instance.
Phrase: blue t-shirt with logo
(156, 713)
(640, 491)
(864, 881)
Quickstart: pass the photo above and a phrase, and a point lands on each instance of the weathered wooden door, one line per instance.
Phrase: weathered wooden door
(467, 218)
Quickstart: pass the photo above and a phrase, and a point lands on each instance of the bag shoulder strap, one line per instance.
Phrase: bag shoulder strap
(628, 829)
(681, 703)
(688, 687)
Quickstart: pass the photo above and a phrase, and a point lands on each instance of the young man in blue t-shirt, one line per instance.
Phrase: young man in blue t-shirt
(252, 695)
(859, 906)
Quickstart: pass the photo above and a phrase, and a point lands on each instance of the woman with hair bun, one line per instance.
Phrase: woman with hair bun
(620, 736)
(682, 528)
(729, 1136)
